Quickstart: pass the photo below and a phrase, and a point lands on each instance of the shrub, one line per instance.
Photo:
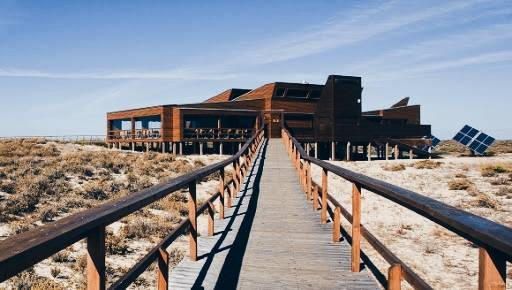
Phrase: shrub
(427, 164)
(500, 181)
(394, 167)
(61, 257)
(483, 200)
(55, 271)
(493, 170)
(460, 184)
(115, 245)
(47, 214)
(81, 264)
(8, 187)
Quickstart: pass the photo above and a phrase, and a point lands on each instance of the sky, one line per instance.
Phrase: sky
(64, 64)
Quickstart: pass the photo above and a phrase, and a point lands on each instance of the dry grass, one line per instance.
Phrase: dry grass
(494, 170)
(41, 182)
(393, 167)
(427, 164)
(460, 184)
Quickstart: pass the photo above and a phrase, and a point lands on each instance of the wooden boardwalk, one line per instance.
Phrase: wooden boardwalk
(271, 239)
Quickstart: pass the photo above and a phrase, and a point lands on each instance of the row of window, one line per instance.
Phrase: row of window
(298, 93)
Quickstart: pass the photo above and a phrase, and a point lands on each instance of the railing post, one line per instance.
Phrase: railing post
(162, 270)
(356, 227)
(492, 267)
(221, 190)
(211, 218)
(395, 277)
(315, 197)
(323, 215)
(336, 231)
(230, 196)
(309, 181)
(192, 209)
(96, 259)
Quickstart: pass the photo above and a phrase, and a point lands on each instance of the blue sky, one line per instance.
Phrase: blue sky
(64, 64)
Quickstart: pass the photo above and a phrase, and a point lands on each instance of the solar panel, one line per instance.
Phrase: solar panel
(435, 141)
(466, 129)
(477, 141)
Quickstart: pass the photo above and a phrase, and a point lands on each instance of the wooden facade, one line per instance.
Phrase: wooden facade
(329, 114)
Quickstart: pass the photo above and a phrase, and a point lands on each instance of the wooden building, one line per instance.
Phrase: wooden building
(327, 118)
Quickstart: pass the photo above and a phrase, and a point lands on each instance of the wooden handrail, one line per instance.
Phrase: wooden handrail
(26, 249)
(495, 240)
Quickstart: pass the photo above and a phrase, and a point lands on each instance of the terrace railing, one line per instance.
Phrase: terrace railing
(217, 133)
(21, 251)
(494, 240)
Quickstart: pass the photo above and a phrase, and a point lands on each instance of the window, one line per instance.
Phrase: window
(293, 93)
(280, 92)
(315, 94)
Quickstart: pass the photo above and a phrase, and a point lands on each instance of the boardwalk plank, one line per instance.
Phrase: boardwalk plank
(271, 239)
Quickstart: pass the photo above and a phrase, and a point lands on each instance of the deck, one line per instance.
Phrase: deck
(271, 239)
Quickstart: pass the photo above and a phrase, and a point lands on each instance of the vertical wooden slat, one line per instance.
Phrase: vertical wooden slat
(211, 218)
(192, 209)
(309, 181)
(230, 196)
(394, 277)
(336, 230)
(221, 190)
(315, 197)
(96, 259)
(323, 215)
(492, 267)
(356, 227)
(162, 270)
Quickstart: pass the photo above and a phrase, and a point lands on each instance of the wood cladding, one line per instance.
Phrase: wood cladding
(328, 112)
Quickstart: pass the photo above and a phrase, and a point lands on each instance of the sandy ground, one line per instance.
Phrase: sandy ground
(71, 278)
(443, 259)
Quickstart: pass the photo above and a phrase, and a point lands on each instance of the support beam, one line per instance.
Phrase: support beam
(369, 151)
(96, 259)
(162, 144)
(192, 209)
(201, 148)
(492, 268)
(349, 151)
(333, 150)
(411, 155)
(356, 227)
(307, 149)
(133, 146)
(221, 145)
(316, 150)
(387, 151)
(396, 152)
(181, 148)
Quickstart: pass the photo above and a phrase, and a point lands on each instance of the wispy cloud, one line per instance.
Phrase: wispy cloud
(178, 74)
(343, 31)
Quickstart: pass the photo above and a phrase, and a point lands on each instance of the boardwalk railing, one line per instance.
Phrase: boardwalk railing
(494, 240)
(21, 251)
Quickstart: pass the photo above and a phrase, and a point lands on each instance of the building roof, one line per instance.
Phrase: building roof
(227, 95)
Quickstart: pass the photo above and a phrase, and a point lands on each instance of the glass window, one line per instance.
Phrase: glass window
(294, 93)
(280, 92)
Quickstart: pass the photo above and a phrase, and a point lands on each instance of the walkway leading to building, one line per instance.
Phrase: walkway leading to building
(272, 239)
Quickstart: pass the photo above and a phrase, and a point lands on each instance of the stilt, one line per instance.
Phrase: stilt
(369, 151)
(411, 156)
(333, 150)
(220, 148)
(201, 148)
(239, 146)
(396, 152)
(181, 148)
(349, 151)
(174, 148)
(316, 150)
(307, 149)
(387, 151)
(133, 146)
